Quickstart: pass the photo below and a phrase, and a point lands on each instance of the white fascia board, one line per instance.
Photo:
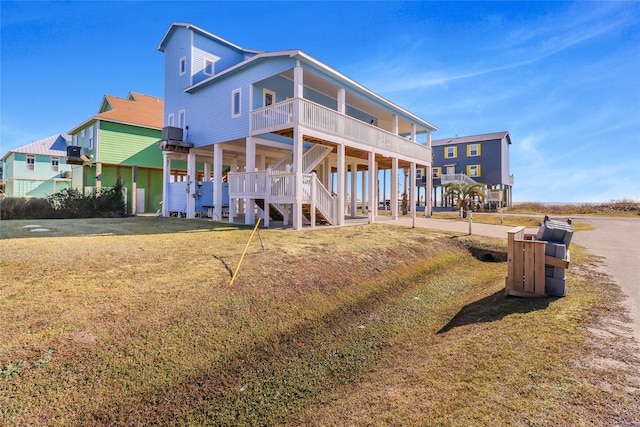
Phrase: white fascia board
(204, 33)
(246, 62)
(83, 125)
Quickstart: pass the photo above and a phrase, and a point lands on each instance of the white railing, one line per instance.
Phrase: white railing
(330, 122)
(456, 178)
(280, 188)
(313, 156)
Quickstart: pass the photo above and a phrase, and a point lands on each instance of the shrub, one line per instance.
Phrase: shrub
(68, 203)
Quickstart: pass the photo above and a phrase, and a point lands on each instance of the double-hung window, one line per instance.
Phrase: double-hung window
(436, 172)
(473, 150)
(450, 152)
(31, 162)
(55, 164)
(473, 170)
(181, 119)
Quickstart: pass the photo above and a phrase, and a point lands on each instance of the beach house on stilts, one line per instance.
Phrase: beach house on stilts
(279, 135)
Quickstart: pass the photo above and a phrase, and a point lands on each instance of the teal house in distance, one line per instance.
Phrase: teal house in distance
(38, 169)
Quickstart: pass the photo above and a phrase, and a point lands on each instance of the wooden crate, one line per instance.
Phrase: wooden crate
(525, 265)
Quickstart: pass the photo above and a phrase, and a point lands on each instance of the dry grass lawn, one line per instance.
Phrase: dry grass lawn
(133, 322)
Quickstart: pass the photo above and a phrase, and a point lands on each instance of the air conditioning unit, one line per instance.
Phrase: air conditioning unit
(74, 151)
(171, 133)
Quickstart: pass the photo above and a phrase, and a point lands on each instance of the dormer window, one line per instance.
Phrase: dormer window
(207, 67)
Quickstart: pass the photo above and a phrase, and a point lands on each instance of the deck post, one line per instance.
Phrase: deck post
(354, 189)
(166, 173)
(342, 166)
(412, 192)
(373, 181)
(249, 214)
(394, 188)
(191, 184)
(217, 181)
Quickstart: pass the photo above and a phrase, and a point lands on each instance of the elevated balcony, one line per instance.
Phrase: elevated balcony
(333, 126)
(456, 178)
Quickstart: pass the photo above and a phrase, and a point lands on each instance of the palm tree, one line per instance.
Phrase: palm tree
(466, 194)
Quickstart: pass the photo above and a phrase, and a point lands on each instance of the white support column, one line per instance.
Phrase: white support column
(249, 214)
(191, 185)
(313, 200)
(206, 175)
(373, 184)
(166, 174)
(354, 189)
(412, 191)
(428, 184)
(364, 192)
(341, 101)
(217, 181)
(297, 169)
(413, 132)
(394, 125)
(342, 169)
(298, 82)
(394, 188)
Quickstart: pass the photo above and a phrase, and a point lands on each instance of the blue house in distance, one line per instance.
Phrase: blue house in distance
(38, 169)
(473, 159)
(303, 143)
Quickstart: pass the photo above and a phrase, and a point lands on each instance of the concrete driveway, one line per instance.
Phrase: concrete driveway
(616, 239)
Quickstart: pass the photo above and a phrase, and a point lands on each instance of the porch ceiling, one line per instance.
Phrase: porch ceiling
(384, 117)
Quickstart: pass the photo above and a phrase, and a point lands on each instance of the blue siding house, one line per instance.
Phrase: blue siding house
(38, 169)
(473, 159)
(302, 142)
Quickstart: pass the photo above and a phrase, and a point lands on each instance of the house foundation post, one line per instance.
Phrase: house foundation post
(412, 192)
(191, 185)
(249, 215)
(394, 188)
(373, 181)
(342, 167)
(217, 181)
(166, 174)
(354, 189)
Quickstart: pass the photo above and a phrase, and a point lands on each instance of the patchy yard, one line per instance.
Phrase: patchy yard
(133, 322)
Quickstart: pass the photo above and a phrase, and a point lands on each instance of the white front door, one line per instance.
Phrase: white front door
(139, 200)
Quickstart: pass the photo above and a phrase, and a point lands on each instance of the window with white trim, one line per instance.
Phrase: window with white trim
(82, 133)
(181, 119)
(236, 100)
(450, 152)
(31, 162)
(55, 164)
(268, 97)
(207, 67)
(183, 66)
(474, 170)
(473, 150)
(170, 119)
(436, 172)
(91, 138)
(75, 139)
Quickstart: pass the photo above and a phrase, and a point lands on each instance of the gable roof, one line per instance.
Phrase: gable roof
(55, 146)
(137, 109)
(202, 32)
(473, 138)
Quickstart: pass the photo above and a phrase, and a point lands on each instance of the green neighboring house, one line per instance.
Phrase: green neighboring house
(120, 144)
(38, 169)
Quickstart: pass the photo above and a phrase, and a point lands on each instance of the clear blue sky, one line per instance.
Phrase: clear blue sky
(562, 77)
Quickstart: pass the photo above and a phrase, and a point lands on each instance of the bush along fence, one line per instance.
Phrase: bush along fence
(68, 203)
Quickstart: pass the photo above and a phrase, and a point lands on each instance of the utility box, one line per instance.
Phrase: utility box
(537, 264)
